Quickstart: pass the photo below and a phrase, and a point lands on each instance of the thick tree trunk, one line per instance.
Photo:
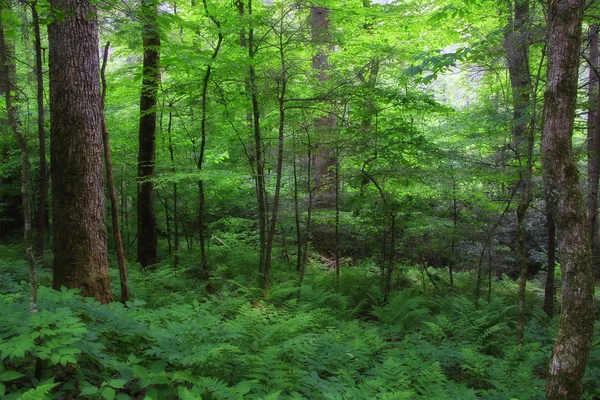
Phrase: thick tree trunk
(593, 132)
(324, 155)
(573, 342)
(147, 246)
(112, 192)
(42, 180)
(80, 255)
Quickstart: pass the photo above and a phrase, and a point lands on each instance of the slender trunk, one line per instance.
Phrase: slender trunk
(42, 180)
(307, 233)
(593, 153)
(454, 226)
(517, 54)
(110, 181)
(281, 130)
(337, 218)
(575, 332)
(175, 219)
(204, 268)
(489, 293)
(297, 213)
(258, 157)
(147, 240)
(390, 268)
(7, 79)
(549, 291)
(480, 271)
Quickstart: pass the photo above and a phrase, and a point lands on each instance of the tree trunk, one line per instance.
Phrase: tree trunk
(42, 180)
(549, 290)
(517, 55)
(573, 342)
(80, 258)
(593, 153)
(281, 130)
(114, 202)
(324, 155)
(7, 62)
(175, 219)
(204, 268)
(147, 246)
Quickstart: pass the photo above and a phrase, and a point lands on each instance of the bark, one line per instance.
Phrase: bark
(572, 347)
(147, 245)
(80, 254)
(112, 192)
(7, 62)
(593, 150)
(42, 179)
(258, 156)
(204, 268)
(324, 155)
(517, 55)
(550, 290)
(281, 130)
(175, 216)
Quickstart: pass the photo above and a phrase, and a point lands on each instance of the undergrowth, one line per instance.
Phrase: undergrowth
(339, 342)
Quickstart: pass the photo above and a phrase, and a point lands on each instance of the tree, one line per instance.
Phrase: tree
(147, 243)
(575, 332)
(80, 254)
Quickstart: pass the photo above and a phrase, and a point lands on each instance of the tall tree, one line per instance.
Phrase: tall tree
(80, 254)
(324, 156)
(7, 62)
(517, 55)
(43, 179)
(147, 243)
(593, 153)
(573, 342)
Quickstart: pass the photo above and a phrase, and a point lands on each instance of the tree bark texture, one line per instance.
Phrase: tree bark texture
(42, 179)
(517, 56)
(80, 254)
(324, 154)
(549, 288)
(573, 342)
(593, 150)
(147, 245)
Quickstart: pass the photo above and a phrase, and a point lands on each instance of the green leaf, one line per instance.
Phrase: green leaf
(151, 394)
(9, 376)
(2, 389)
(88, 391)
(108, 393)
(117, 383)
(122, 396)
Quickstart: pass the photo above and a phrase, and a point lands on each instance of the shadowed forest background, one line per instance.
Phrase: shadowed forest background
(328, 199)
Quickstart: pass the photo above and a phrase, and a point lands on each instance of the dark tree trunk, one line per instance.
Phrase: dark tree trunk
(80, 255)
(112, 192)
(42, 179)
(573, 342)
(593, 132)
(7, 63)
(147, 245)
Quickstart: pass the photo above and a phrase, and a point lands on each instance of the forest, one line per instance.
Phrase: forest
(299, 199)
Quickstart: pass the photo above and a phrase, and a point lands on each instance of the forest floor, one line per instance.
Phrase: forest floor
(340, 341)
